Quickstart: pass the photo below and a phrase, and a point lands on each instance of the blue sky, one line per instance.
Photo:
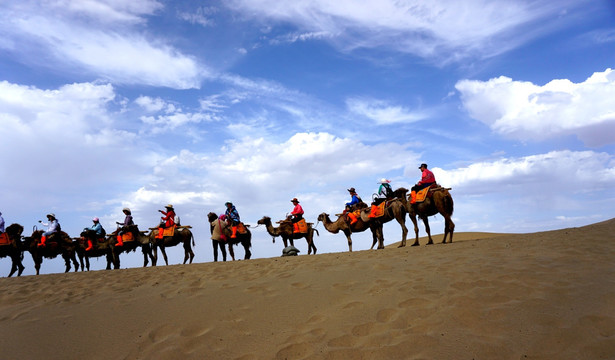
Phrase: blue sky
(106, 104)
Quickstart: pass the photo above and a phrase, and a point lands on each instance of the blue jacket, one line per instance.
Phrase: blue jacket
(98, 228)
(355, 200)
(232, 214)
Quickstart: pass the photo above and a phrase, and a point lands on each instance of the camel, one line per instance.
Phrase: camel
(441, 202)
(341, 224)
(285, 230)
(244, 239)
(102, 247)
(395, 209)
(181, 235)
(14, 249)
(140, 240)
(58, 243)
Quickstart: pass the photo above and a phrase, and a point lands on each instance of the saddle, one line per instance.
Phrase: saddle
(425, 193)
(241, 228)
(300, 227)
(378, 210)
(4, 239)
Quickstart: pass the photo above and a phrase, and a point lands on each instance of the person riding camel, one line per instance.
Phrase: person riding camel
(354, 204)
(98, 231)
(385, 192)
(168, 220)
(52, 227)
(232, 216)
(427, 179)
(297, 214)
(124, 226)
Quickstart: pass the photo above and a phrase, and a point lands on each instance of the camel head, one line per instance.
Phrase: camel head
(322, 217)
(264, 221)
(212, 216)
(14, 230)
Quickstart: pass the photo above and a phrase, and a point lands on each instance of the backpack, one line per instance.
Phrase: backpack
(177, 221)
(103, 231)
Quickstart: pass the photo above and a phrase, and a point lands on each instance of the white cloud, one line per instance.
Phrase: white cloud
(447, 30)
(565, 172)
(523, 110)
(382, 112)
(59, 37)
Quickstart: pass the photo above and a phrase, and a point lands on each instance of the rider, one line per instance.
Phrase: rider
(384, 192)
(168, 220)
(354, 204)
(297, 214)
(124, 226)
(232, 216)
(98, 230)
(52, 227)
(427, 179)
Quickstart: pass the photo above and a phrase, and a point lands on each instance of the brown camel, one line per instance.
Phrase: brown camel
(58, 243)
(343, 225)
(139, 240)
(394, 209)
(440, 203)
(101, 247)
(244, 239)
(285, 230)
(181, 235)
(14, 249)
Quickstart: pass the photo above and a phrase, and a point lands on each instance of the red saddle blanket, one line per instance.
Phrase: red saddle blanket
(4, 239)
(379, 209)
(241, 228)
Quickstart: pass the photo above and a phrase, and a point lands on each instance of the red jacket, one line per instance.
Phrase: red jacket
(169, 218)
(427, 177)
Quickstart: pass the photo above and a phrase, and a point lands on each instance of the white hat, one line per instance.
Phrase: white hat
(384, 181)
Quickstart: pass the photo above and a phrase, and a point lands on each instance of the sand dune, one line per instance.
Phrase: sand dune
(547, 295)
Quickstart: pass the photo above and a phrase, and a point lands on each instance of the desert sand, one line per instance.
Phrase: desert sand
(547, 295)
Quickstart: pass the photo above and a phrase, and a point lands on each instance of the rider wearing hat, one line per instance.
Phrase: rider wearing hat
(98, 230)
(52, 227)
(124, 226)
(355, 203)
(384, 192)
(297, 213)
(427, 179)
(232, 216)
(168, 220)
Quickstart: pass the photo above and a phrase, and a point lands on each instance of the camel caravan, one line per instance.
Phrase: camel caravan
(426, 198)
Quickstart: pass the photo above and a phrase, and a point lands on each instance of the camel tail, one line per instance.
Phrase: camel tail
(316, 231)
(448, 204)
(192, 236)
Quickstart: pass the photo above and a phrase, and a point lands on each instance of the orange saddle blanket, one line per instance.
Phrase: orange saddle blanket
(127, 237)
(379, 209)
(300, 227)
(4, 239)
(241, 228)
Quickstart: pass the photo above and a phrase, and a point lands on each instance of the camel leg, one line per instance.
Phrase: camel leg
(231, 251)
(87, 263)
(404, 229)
(164, 255)
(246, 247)
(427, 230)
(449, 227)
(116, 257)
(13, 268)
(347, 233)
(21, 268)
(381, 237)
(416, 231)
(188, 254)
(109, 258)
(154, 255)
(66, 262)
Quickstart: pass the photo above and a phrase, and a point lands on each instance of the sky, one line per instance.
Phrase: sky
(106, 104)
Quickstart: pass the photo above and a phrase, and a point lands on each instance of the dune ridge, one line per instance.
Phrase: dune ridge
(546, 295)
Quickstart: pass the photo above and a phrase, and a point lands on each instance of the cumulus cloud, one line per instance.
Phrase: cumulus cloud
(446, 30)
(564, 172)
(58, 35)
(382, 112)
(63, 141)
(526, 111)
